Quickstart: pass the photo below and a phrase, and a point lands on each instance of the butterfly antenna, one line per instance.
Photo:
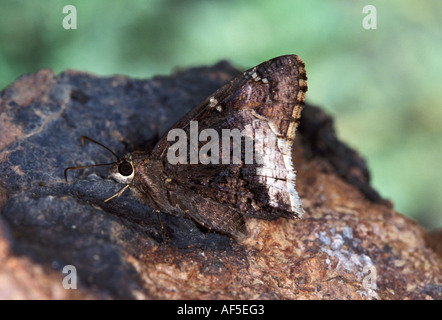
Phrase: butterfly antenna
(92, 165)
(102, 145)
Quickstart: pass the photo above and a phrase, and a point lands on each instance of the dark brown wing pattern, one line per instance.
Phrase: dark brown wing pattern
(264, 104)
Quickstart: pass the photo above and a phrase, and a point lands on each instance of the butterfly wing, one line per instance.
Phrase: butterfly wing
(264, 104)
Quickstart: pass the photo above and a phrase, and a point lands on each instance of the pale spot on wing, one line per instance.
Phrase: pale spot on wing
(212, 102)
(302, 83)
(300, 96)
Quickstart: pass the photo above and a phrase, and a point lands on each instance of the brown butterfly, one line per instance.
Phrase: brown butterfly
(263, 105)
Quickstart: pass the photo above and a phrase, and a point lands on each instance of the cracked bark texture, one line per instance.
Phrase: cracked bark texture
(351, 244)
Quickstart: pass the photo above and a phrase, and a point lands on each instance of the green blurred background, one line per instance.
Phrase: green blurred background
(383, 87)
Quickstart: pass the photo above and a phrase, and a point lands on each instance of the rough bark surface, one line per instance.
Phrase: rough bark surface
(351, 244)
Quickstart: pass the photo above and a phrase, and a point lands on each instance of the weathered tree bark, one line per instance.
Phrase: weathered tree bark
(351, 244)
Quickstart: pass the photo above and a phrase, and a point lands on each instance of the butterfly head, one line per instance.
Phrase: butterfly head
(122, 169)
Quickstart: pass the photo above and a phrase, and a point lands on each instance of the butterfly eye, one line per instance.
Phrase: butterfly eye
(125, 168)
